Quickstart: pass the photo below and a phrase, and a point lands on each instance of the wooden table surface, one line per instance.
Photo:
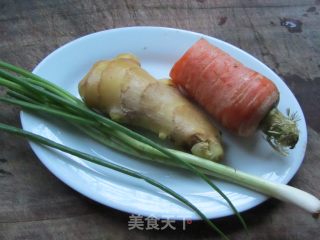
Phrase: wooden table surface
(283, 34)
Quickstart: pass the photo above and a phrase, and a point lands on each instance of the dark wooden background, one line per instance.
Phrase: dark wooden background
(36, 205)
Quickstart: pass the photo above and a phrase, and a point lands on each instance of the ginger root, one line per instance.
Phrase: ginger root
(125, 92)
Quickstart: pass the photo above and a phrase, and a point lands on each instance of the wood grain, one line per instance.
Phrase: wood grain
(36, 205)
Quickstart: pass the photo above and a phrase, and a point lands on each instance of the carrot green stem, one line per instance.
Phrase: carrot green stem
(281, 131)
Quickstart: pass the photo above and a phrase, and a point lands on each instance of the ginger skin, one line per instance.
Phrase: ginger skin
(125, 92)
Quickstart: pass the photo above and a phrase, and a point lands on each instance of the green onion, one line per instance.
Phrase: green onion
(51, 99)
(35, 93)
(52, 96)
(276, 190)
(44, 141)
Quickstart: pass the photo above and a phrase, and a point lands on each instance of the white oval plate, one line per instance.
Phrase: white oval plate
(158, 49)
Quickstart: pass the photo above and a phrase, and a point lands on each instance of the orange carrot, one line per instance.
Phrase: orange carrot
(236, 96)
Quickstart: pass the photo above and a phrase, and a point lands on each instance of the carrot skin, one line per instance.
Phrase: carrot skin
(236, 96)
